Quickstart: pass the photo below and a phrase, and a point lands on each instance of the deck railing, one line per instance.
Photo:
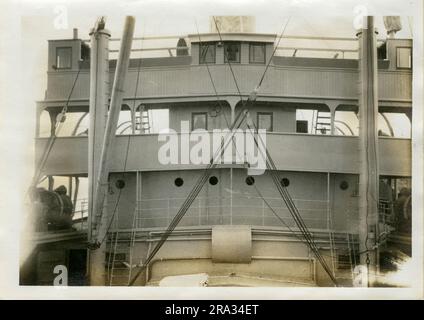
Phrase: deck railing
(235, 210)
(292, 45)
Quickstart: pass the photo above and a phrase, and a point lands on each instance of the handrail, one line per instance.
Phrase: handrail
(316, 49)
(155, 49)
(225, 198)
(145, 38)
(294, 37)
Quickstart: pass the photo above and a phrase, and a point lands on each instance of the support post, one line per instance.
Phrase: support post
(368, 149)
(99, 219)
(99, 101)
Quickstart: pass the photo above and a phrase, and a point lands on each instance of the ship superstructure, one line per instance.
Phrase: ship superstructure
(237, 230)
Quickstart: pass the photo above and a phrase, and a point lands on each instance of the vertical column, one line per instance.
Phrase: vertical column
(332, 105)
(368, 148)
(99, 100)
(99, 220)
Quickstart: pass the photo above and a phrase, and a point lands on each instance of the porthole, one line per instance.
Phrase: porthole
(285, 182)
(120, 184)
(213, 180)
(179, 182)
(344, 185)
(250, 180)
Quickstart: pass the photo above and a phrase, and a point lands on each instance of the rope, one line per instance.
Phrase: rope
(292, 207)
(189, 200)
(58, 125)
(228, 61)
(273, 53)
(270, 165)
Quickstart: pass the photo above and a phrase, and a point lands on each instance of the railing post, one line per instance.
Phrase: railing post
(200, 211)
(168, 213)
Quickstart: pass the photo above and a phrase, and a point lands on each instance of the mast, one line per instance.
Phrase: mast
(368, 148)
(100, 220)
(99, 101)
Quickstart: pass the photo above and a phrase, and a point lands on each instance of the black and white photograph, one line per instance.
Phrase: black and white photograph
(196, 150)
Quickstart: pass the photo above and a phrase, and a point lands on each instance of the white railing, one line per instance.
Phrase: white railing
(80, 214)
(226, 210)
(293, 45)
(142, 44)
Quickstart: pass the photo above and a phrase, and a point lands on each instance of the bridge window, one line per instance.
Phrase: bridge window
(232, 52)
(64, 58)
(265, 121)
(207, 52)
(403, 58)
(199, 120)
(257, 53)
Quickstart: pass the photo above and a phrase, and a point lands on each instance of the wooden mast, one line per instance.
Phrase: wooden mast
(100, 220)
(99, 101)
(368, 149)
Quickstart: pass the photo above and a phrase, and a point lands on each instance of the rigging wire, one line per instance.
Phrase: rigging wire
(60, 119)
(271, 166)
(273, 53)
(216, 93)
(228, 61)
(195, 191)
(189, 199)
(291, 206)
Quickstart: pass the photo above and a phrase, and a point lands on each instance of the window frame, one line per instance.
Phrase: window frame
(56, 58)
(201, 44)
(258, 114)
(251, 44)
(307, 126)
(397, 57)
(193, 114)
(226, 43)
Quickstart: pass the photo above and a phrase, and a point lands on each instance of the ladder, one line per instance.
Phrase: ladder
(352, 254)
(322, 123)
(121, 261)
(142, 122)
(135, 226)
(330, 228)
(118, 254)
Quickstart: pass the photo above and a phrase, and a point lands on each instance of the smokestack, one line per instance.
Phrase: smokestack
(232, 24)
(392, 25)
(75, 33)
